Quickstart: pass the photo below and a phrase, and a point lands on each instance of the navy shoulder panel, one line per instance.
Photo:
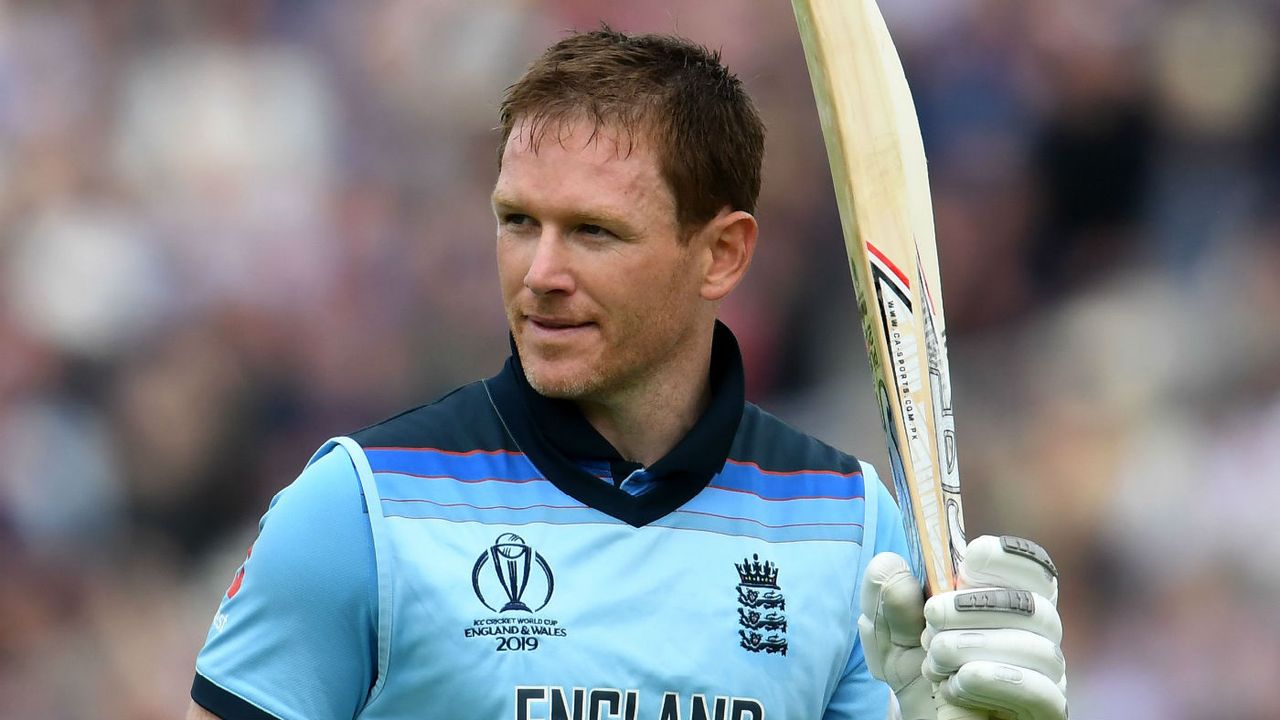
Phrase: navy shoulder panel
(462, 421)
(774, 446)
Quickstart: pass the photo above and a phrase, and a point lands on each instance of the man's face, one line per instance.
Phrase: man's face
(600, 292)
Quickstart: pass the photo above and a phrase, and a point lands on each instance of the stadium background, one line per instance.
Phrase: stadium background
(231, 229)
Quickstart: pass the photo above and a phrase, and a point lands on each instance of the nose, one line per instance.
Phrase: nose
(550, 269)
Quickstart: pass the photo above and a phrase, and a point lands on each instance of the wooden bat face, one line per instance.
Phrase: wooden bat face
(882, 189)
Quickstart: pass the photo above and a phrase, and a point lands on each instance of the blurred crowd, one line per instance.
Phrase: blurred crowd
(232, 229)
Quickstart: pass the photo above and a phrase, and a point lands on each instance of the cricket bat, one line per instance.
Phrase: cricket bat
(881, 184)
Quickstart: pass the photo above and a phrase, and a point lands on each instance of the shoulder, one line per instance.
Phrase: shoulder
(297, 550)
(772, 444)
(311, 566)
(461, 421)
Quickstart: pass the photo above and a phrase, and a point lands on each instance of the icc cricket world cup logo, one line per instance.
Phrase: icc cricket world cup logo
(516, 572)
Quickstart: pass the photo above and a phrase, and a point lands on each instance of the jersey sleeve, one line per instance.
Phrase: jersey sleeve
(295, 635)
(859, 696)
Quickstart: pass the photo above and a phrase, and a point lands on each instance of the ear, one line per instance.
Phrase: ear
(729, 242)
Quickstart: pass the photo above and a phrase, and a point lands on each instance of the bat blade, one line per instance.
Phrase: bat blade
(881, 184)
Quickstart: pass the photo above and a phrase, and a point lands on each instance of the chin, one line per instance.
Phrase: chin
(569, 384)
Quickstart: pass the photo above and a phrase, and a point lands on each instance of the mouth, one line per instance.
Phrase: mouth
(555, 326)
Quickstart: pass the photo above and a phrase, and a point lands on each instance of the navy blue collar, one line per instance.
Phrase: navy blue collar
(557, 438)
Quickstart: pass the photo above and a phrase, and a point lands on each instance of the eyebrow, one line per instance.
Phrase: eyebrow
(586, 217)
(498, 200)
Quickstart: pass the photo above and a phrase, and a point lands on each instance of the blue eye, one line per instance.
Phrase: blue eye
(594, 230)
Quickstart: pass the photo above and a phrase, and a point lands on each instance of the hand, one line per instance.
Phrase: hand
(993, 645)
(891, 625)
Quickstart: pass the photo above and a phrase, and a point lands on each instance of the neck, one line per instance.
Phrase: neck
(647, 420)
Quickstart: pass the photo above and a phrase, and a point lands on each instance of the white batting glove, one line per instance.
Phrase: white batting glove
(996, 644)
(891, 624)
(995, 649)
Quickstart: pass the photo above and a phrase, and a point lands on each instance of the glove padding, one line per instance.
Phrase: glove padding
(890, 626)
(995, 648)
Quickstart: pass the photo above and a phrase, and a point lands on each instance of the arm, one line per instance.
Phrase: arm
(311, 567)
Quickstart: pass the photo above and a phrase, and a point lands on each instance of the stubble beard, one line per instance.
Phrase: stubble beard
(576, 386)
(572, 386)
(624, 369)
(617, 374)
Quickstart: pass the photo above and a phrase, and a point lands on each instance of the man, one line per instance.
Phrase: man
(605, 529)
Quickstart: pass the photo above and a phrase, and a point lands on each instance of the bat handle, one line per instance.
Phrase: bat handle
(954, 712)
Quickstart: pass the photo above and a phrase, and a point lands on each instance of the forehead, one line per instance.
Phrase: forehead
(576, 161)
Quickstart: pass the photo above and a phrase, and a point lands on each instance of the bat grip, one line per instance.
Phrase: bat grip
(954, 712)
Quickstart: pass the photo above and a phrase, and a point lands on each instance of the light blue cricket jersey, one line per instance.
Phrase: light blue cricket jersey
(490, 556)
